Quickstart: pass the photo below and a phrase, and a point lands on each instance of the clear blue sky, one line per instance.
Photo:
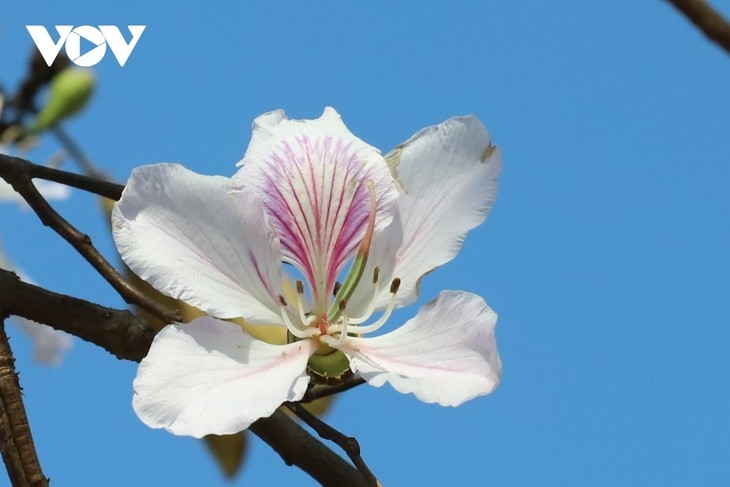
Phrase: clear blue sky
(606, 254)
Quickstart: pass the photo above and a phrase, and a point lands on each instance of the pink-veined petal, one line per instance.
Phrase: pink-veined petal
(311, 175)
(209, 377)
(447, 354)
(448, 173)
(200, 239)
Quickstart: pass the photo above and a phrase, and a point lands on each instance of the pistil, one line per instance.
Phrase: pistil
(358, 266)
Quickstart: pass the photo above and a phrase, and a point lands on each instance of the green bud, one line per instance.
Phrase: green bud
(70, 91)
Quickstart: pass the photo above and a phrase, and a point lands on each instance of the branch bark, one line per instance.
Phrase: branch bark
(16, 441)
(16, 167)
(128, 337)
(118, 331)
(16, 172)
(707, 19)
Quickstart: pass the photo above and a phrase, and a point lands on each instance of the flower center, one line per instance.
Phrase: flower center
(331, 328)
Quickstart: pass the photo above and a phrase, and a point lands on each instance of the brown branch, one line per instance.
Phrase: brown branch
(127, 337)
(15, 165)
(16, 441)
(74, 150)
(347, 443)
(79, 241)
(38, 75)
(297, 447)
(707, 19)
(118, 331)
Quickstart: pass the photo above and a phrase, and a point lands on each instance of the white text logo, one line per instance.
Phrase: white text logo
(71, 36)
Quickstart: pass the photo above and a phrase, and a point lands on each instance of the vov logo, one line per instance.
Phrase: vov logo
(71, 36)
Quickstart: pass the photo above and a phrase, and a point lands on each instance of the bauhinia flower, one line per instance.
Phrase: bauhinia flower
(318, 233)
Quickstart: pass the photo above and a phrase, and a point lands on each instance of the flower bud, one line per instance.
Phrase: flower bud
(70, 91)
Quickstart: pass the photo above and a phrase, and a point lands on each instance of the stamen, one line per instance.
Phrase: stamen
(338, 285)
(306, 333)
(342, 328)
(394, 285)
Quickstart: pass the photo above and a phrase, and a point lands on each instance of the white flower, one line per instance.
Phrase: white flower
(312, 195)
(49, 345)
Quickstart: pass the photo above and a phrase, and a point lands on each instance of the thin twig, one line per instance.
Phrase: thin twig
(16, 442)
(74, 150)
(318, 392)
(126, 336)
(82, 243)
(295, 446)
(39, 74)
(348, 444)
(707, 19)
(16, 165)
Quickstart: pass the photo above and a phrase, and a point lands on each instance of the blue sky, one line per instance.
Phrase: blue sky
(606, 254)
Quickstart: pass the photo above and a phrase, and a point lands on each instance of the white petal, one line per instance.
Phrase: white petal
(447, 354)
(449, 175)
(311, 175)
(209, 377)
(200, 239)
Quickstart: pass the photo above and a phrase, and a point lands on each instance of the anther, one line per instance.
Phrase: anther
(376, 273)
(338, 285)
(282, 300)
(394, 286)
(300, 302)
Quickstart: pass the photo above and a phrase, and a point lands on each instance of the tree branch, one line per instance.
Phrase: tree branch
(20, 168)
(118, 331)
(73, 149)
(707, 19)
(16, 441)
(297, 447)
(11, 169)
(347, 443)
(127, 337)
